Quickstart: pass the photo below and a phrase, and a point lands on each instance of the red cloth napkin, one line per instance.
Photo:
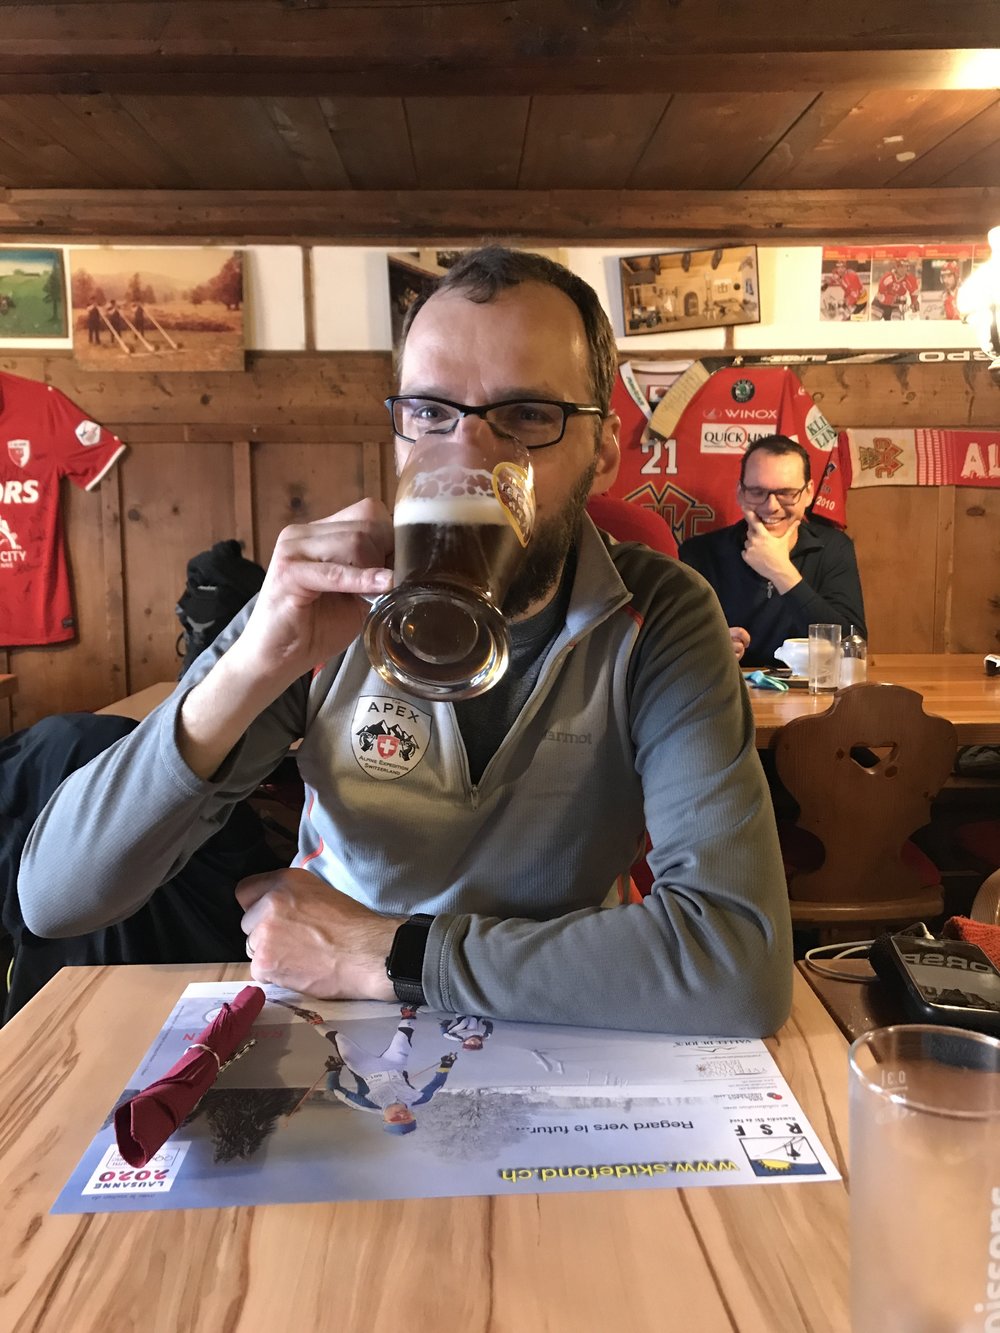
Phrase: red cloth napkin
(143, 1124)
(975, 932)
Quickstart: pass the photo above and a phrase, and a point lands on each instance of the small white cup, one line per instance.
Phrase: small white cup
(795, 654)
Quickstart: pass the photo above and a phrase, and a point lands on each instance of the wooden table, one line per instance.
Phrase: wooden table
(855, 1006)
(142, 703)
(8, 684)
(754, 1259)
(953, 685)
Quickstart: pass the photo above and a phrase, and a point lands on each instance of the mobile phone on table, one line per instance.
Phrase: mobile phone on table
(941, 981)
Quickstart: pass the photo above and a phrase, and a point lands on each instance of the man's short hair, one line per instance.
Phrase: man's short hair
(776, 444)
(481, 274)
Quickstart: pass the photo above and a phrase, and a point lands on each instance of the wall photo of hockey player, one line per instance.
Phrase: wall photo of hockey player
(844, 285)
(943, 271)
(896, 283)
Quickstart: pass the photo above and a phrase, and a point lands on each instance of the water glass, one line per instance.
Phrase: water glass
(925, 1181)
(824, 658)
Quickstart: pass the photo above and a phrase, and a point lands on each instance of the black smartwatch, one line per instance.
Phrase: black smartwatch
(405, 963)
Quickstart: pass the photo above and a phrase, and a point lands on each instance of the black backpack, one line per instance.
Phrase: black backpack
(220, 582)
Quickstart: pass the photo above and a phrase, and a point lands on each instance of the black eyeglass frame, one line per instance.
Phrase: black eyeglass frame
(777, 492)
(465, 410)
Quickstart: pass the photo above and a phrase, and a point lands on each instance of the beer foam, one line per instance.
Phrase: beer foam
(467, 510)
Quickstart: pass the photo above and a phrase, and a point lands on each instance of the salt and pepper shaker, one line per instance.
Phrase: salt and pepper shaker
(854, 659)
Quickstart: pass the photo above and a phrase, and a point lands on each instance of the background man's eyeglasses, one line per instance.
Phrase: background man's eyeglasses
(757, 495)
(534, 423)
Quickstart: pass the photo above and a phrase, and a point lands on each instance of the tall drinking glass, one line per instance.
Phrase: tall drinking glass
(824, 658)
(925, 1181)
(463, 518)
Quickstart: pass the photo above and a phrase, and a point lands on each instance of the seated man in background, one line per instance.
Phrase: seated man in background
(777, 572)
(483, 861)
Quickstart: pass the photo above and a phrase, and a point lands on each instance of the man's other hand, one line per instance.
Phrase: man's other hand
(306, 936)
(740, 640)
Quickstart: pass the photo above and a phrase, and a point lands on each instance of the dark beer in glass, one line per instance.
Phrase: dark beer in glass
(463, 517)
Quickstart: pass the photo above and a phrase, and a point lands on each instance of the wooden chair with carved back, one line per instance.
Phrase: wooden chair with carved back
(864, 774)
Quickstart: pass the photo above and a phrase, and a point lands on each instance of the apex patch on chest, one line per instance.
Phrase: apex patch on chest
(389, 736)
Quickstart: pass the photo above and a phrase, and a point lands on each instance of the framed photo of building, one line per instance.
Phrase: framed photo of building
(414, 274)
(689, 289)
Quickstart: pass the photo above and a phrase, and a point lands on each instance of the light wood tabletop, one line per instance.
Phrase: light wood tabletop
(953, 685)
(856, 999)
(8, 684)
(142, 703)
(754, 1259)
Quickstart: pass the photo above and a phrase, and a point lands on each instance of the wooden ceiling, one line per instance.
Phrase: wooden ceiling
(567, 120)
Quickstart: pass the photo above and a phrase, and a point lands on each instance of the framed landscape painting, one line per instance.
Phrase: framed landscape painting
(158, 308)
(689, 289)
(34, 297)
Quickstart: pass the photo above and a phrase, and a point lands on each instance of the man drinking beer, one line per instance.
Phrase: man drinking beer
(470, 844)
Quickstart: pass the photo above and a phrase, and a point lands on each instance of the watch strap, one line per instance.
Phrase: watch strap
(404, 964)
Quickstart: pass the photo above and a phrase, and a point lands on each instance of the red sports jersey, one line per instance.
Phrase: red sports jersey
(896, 291)
(849, 283)
(852, 286)
(691, 478)
(43, 437)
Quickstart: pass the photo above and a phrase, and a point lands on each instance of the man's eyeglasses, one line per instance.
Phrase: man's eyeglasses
(758, 495)
(535, 422)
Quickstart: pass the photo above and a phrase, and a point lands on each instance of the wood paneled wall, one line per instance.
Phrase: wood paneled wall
(297, 437)
(211, 456)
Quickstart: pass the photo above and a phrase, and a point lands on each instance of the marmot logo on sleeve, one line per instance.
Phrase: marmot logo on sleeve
(389, 736)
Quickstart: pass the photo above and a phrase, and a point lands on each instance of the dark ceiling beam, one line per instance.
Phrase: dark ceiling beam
(804, 71)
(582, 217)
(335, 47)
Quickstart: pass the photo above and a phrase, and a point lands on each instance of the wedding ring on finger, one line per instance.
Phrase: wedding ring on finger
(249, 948)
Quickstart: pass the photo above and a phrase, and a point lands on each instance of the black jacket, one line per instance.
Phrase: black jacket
(193, 918)
(830, 591)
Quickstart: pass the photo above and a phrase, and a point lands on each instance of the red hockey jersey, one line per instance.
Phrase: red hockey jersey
(691, 478)
(43, 438)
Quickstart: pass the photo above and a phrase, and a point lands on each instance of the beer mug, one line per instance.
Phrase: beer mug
(464, 515)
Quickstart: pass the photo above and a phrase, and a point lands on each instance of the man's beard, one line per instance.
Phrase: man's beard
(548, 549)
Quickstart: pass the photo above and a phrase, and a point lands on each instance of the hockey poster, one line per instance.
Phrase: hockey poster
(902, 282)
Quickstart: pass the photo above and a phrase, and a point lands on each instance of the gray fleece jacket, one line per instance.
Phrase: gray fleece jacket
(638, 720)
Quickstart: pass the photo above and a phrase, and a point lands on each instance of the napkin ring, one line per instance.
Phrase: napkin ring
(223, 1064)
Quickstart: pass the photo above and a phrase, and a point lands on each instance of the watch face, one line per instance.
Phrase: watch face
(406, 957)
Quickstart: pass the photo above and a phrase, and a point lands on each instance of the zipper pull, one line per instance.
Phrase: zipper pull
(770, 589)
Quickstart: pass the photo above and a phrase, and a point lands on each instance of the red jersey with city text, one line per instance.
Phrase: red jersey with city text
(43, 438)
